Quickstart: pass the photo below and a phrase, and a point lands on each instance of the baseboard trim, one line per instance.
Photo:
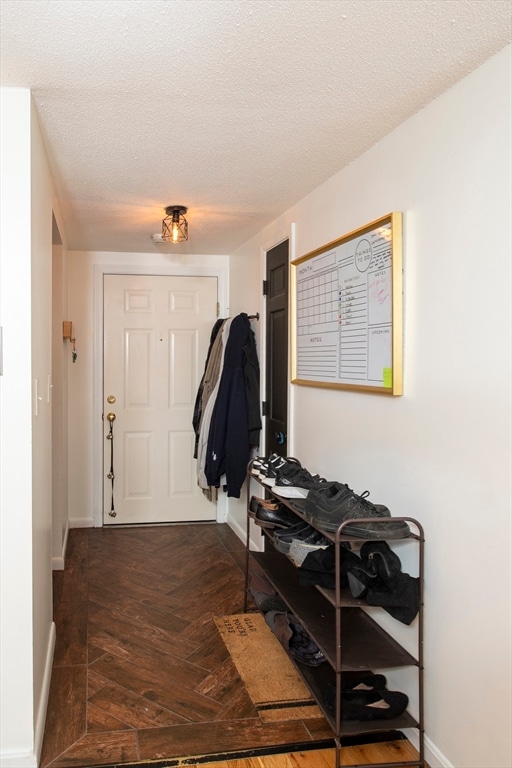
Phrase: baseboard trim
(59, 563)
(240, 531)
(81, 522)
(17, 760)
(45, 693)
(433, 756)
(31, 759)
(65, 542)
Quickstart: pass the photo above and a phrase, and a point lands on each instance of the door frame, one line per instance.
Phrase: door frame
(222, 275)
(291, 237)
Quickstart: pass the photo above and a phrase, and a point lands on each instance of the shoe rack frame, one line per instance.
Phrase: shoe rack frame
(350, 639)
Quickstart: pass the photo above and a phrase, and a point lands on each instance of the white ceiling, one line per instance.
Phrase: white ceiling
(234, 108)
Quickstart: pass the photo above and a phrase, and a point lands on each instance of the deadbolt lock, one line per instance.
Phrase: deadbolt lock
(111, 399)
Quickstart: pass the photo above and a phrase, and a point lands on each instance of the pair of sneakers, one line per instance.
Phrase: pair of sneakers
(266, 469)
(367, 701)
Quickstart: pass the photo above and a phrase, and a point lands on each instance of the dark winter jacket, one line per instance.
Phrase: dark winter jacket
(228, 438)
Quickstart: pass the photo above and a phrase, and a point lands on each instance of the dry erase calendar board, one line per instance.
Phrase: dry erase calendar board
(347, 311)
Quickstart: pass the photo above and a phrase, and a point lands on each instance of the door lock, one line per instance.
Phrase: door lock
(111, 399)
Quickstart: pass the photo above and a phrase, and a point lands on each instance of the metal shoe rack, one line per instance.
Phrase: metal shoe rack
(349, 638)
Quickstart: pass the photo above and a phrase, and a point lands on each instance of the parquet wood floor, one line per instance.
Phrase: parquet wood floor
(140, 672)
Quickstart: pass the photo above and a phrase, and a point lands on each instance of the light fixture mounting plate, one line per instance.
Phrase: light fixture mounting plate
(181, 209)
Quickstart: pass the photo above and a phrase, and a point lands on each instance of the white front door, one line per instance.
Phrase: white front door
(156, 336)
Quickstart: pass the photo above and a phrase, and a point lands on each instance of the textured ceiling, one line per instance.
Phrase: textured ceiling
(234, 108)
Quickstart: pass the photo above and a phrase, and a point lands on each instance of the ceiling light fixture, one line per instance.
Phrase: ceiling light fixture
(175, 225)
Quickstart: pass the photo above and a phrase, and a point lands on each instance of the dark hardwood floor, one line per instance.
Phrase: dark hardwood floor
(140, 672)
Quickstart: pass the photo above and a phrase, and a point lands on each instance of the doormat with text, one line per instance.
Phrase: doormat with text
(272, 682)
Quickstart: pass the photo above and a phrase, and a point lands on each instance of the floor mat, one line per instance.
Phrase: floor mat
(272, 682)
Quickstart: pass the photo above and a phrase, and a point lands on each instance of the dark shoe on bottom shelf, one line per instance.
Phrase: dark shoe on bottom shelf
(367, 705)
(264, 594)
(364, 681)
(302, 647)
(272, 603)
(294, 638)
(372, 705)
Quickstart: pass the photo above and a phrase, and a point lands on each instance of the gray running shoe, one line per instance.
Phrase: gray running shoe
(300, 548)
(283, 539)
(336, 503)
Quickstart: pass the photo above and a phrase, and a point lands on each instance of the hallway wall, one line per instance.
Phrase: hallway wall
(442, 452)
(27, 630)
(61, 359)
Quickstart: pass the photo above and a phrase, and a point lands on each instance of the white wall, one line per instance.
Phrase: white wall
(85, 302)
(441, 453)
(41, 248)
(61, 357)
(27, 631)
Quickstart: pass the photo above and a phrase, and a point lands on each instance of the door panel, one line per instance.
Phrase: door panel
(276, 421)
(278, 388)
(157, 331)
(138, 364)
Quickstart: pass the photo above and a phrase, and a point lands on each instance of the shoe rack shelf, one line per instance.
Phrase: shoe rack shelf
(349, 638)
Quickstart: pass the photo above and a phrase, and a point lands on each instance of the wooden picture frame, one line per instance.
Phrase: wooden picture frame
(346, 311)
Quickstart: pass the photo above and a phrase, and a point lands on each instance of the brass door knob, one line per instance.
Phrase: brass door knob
(110, 417)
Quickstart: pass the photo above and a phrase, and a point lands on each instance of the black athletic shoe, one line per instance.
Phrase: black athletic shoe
(268, 473)
(295, 482)
(261, 463)
(336, 503)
